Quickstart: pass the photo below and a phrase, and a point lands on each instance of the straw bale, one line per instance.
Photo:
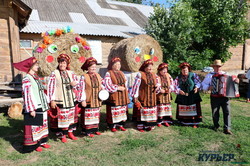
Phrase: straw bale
(133, 52)
(48, 61)
(15, 110)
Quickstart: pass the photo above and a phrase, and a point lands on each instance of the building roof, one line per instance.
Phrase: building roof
(88, 17)
(23, 11)
(84, 28)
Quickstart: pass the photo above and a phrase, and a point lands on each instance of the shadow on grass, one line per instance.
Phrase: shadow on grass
(240, 100)
(103, 123)
(13, 133)
(207, 126)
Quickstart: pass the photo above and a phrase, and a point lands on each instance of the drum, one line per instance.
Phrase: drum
(103, 95)
(224, 86)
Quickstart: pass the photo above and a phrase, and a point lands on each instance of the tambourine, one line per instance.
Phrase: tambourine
(103, 95)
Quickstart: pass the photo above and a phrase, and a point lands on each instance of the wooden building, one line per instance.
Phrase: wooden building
(13, 15)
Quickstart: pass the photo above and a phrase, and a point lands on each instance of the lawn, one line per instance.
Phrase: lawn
(174, 145)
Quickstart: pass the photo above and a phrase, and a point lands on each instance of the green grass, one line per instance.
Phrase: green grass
(175, 145)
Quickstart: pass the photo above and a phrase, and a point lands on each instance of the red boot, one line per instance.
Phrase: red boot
(71, 136)
(64, 139)
(97, 133)
(39, 149)
(122, 128)
(91, 135)
(166, 124)
(45, 145)
(113, 130)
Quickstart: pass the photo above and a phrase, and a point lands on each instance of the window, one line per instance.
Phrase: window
(25, 43)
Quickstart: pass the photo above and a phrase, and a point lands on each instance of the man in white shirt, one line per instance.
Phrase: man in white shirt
(218, 101)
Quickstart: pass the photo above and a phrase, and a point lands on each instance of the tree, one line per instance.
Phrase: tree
(199, 31)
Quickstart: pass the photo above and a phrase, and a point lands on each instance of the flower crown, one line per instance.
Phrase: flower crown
(162, 66)
(115, 59)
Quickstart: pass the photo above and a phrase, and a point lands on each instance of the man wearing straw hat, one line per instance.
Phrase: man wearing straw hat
(218, 101)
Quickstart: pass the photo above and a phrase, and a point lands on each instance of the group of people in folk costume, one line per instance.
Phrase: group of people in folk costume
(67, 97)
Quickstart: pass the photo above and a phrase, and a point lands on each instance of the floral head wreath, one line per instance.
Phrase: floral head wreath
(89, 62)
(162, 66)
(185, 64)
(145, 64)
(113, 61)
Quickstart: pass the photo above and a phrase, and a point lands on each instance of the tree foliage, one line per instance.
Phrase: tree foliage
(199, 31)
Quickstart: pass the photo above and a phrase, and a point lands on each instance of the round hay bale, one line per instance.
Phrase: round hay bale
(59, 42)
(134, 51)
(15, 110)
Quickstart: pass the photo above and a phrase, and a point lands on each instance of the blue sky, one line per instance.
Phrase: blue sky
(157, 1)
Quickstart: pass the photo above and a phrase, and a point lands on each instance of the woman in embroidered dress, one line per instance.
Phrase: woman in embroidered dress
(144, 91)
(117, 103)
(188, 99)
(61, 92)
(90, 86)
(35, 102)
(164, 110)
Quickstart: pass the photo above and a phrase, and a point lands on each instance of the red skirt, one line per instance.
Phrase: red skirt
(29, 144)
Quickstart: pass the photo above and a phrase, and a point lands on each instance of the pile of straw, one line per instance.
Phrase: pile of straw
(15, 110)
(134, 51)
(63, 40)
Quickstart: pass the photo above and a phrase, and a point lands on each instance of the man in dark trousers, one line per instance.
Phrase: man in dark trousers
(218, 101)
